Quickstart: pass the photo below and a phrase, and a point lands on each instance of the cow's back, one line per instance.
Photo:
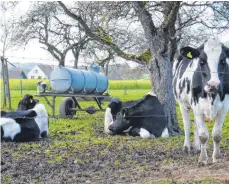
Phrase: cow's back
(148, 113)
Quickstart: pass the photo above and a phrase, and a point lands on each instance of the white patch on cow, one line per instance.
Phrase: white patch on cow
(108, 120)
(210, 111)
(10, 127)
(144, 133)
(165, 133)
(213, 49)
(42, 117)
(151, 94)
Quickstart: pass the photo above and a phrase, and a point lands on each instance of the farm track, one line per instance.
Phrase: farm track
(100, 163)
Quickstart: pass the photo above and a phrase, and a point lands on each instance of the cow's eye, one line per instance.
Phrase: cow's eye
(223, 62)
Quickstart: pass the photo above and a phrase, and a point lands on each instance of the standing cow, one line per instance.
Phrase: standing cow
(201, 84)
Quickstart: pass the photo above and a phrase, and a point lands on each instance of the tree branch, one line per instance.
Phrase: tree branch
(100, 39)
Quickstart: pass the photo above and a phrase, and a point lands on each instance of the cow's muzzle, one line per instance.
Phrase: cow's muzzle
(209, 88)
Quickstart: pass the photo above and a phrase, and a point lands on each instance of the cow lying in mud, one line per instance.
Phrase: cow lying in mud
(144, 118)
(28, 123)
(201, 84)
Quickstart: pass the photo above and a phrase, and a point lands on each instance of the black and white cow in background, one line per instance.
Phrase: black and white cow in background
(201, 84)
(28, 123)
(41, 86)
(144, 118)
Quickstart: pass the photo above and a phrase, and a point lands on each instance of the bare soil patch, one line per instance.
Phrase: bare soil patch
(24, 163)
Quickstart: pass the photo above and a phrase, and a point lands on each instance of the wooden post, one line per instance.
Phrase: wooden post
(20, 86)
(125, 90)
(3, 82)
(7, 85)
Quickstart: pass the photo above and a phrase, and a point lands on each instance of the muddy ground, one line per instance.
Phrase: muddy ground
(103, 163)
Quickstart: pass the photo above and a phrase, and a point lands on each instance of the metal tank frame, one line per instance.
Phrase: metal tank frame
(69, 106)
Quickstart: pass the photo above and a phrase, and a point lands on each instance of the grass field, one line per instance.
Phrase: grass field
(77, 151)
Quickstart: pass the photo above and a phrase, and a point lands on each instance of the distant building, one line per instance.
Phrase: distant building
(17, 74)
(40, 71)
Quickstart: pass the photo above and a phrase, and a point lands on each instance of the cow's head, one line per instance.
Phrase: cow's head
(212, 65)
(121, 122)
(115, 105)
(28, 102)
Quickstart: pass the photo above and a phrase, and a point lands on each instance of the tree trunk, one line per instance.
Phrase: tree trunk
(4, 86)
(161, 79)
(162, 46)
(76, 56)
(62, 61)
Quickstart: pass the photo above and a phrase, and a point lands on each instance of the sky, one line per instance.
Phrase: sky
(33, 52)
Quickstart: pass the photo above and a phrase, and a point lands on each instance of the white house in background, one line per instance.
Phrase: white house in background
(40, 71)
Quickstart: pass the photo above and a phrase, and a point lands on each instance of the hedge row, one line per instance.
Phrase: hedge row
(30, 84)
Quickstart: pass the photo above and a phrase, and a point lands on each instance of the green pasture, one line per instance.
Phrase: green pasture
(30, 84)
(88, 125)
(85, 131)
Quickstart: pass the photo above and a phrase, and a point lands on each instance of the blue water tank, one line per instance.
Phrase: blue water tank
(65, 79)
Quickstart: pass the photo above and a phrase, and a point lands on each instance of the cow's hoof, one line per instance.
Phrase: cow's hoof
(216, 160)
(202, 163)
(186, 149)
(196, 150)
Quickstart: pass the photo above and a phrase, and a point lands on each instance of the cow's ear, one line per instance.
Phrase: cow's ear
(189, 52)
(226, 50)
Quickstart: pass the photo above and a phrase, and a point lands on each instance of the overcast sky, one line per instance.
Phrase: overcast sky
(33, 53)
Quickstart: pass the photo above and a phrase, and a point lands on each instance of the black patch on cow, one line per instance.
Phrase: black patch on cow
(223, 70)
(183, 64)
(28, 102)
(181, 86)
(29, 131)
(19, 114)
(188, 85)
(147, 113)
(134, 132)
(44, 134)
(115, 108)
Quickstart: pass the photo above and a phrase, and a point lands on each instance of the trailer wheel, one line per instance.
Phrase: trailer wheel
(65, 107)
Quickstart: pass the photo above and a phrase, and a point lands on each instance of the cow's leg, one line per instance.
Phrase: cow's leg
(196, 139)
(186, 119)
(216, 134)
(203, 136)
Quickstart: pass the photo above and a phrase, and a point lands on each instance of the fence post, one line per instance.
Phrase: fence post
(20, 86)
(125, 93)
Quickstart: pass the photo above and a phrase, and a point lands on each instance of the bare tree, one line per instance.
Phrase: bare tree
(7, 32)
(45, 23)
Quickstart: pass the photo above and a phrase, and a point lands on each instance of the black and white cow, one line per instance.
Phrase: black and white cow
(144, 118)
(201, 84)
(29, 123)
(41, 86)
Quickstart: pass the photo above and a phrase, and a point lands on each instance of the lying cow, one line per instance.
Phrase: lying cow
(144, 118)
(201, 83)
(30, 124)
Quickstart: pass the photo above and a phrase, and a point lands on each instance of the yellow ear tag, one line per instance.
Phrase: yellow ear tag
(189, 55)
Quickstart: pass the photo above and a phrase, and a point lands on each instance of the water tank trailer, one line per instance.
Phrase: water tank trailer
(71, 83)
